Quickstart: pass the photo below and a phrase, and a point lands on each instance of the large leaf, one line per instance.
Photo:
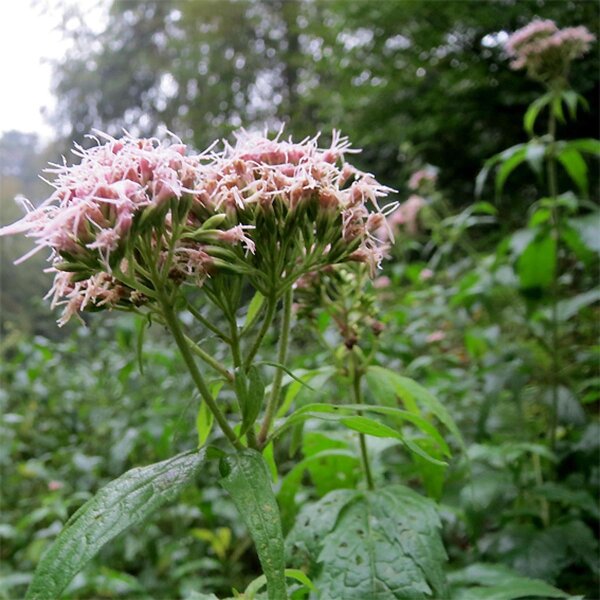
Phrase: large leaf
(246, 478)
(481, 581)
(128, 500)
(382, 544)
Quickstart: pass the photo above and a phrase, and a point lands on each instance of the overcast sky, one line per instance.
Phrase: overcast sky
(27, 41)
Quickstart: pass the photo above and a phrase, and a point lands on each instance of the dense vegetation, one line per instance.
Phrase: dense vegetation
(490, 303)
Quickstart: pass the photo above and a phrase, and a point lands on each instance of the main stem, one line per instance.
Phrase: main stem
(173, 324)
(238, 364)
(553, 191)
(282, 349)
(356, 377)
(270, 313)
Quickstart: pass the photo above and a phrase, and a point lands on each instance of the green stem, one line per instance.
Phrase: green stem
(180, 339)
(208, 359)
(273, 401)
(539, 479)
(270, 313)
(554, 330)
(199, 317)
(356, 377)
(238, 364)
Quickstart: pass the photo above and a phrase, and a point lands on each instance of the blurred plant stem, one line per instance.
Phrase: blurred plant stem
(554, 327)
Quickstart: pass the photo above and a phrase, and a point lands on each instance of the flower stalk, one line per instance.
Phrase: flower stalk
(173, 324)
(282, 351)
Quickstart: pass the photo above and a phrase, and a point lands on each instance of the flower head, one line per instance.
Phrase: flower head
(547, 51)
(137, 214)
(422, 177)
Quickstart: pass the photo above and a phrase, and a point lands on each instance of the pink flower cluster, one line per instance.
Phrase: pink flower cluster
(405, 217)
(428, 175)
(545, 50)
(259, 172)
(189, 205)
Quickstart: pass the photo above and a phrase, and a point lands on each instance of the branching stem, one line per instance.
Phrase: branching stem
(173, 324)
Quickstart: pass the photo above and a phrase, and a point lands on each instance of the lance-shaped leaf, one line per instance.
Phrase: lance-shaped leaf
(126, 501)
(246, 478)
(250, 390)
(340, 413)
(382, 544)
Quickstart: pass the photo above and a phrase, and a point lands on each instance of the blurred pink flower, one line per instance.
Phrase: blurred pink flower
(54, 486)
(436, 336)
(426, 274)
(382, 282)
(545, 50)
(418, 178)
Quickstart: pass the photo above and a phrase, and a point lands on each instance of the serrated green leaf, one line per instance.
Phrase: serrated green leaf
(128, 500)
(245, 476)
(383, 544)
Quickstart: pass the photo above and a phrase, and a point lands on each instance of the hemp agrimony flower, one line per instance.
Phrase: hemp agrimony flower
(137, 216)
(546, 51)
